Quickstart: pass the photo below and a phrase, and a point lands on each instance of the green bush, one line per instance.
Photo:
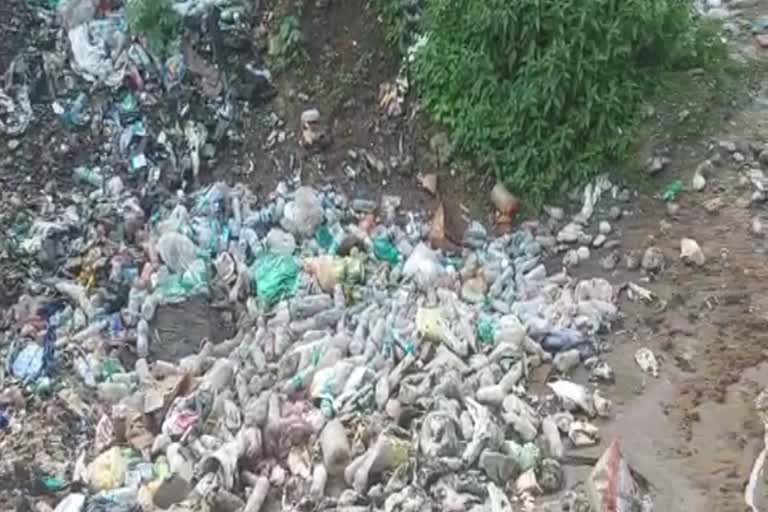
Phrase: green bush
(543, 92)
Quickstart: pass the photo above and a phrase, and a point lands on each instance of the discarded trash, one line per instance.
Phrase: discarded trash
(275, 277)
(691, 253)
(672, 190)
(610, 486)
(646, 360)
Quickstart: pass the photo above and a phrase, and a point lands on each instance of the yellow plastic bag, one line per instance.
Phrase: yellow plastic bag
(107, 471)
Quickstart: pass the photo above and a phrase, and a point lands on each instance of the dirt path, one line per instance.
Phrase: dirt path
(693, 432)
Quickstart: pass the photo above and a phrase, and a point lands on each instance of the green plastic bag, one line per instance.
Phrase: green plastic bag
(275, 276)
(384, 250)
(486, 331)
(193, 281)
(324, 239)
(672, 190)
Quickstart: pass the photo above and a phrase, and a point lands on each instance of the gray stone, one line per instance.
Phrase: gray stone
(738, 158)
(570, 233)
(653, 259)
(673, 209)
(756, 227)
(614, 213)
(499, 467)
(571, 258)
(547, 242)
(727, 145)
(555, 213)
(632, 260)
(610, 261)
(624, 196)
(604, 227)
(657, 164)
(13, 144)
(599, 240)
(583, 253)
(763, 157)
(713, 205)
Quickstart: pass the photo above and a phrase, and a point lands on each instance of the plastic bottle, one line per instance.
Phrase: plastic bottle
(142, 338)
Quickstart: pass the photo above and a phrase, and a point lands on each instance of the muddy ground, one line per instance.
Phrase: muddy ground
(692, 432)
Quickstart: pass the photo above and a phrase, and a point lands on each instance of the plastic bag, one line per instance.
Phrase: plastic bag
(384, 250)
(423, 266)
(177, 251)
(275, 276)
(611, 487)
(176, 287)
(107, 471)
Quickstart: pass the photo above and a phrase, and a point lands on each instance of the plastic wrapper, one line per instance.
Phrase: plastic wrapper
(611, 487)
(107, 471)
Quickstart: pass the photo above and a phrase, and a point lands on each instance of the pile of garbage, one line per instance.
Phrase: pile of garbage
(209, 349)
(368, 369)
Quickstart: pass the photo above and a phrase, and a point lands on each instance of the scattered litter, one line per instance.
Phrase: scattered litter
(646, 360)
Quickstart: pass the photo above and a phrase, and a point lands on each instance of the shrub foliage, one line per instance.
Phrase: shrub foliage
(542, 92)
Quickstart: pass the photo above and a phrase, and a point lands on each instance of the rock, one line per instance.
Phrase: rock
(672, 209)
(499, 467)
(657, 164)
(624, 195)
(583, 253)
(13, 144)
(614, 213)
(738, 158)
(570, 233)
(442, 147)
(555, 213)
(763, 157)
(727, 145)
(546, 242)
(691, 253)
(756, 227)
(604, 228)
(599, 240)
(706, 168)
(698, 182)
(610, 261)
(758, 196)
(653, 259)
(567, 360)
(571, 258)
(743, 202)
(632, 260)
(713, 205)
